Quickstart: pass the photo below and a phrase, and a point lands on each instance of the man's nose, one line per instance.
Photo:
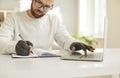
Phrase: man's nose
(41, 8)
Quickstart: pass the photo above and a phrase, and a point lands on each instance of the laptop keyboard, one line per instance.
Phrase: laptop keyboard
(94, 55)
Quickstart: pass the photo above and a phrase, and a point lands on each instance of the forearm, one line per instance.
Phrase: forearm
(65, 41)
(7, 47)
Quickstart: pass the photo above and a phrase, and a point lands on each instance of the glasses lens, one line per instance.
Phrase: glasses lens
(47, 7)
(38, 4)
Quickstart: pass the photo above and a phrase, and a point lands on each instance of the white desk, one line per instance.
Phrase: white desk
(56, 68)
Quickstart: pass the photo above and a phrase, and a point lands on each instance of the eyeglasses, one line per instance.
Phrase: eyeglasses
(39, 4)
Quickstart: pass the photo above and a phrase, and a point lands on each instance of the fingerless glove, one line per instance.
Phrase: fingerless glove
(80, 46)
(22, 47)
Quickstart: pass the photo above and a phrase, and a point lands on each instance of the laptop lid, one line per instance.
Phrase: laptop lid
(97, 55)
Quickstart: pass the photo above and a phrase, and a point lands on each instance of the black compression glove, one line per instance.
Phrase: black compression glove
(81, 46)
(23, 47)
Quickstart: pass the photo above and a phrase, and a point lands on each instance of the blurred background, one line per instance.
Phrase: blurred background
(84, 19)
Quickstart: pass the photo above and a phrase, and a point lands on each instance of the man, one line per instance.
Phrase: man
(36, 29)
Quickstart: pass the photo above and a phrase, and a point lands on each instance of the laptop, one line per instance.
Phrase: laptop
(97, 55)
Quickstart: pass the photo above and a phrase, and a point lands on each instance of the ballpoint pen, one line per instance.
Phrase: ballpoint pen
(25, 42)
(21, 37)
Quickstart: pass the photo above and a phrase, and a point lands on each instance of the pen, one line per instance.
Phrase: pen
(25, 42)
(21, 37)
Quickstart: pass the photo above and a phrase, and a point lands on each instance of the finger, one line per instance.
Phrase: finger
(85, 52)
(29, 43)
(91, 49)
(73, 48)
(30, 51)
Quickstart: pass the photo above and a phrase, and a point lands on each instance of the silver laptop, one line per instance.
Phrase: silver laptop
(97, 55)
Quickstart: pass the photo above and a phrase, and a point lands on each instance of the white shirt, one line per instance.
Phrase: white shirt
(41, 32)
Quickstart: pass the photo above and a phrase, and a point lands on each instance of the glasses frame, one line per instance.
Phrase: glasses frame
(39, 4)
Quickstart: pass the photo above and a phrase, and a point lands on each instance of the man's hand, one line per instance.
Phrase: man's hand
(81, 46)
(23, 48)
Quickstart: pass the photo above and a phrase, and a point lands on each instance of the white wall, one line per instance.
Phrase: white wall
(16, 5)
(9, 4)
(69, 10)
(113, 12)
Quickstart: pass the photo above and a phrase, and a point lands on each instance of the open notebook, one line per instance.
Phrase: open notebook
(37, 54)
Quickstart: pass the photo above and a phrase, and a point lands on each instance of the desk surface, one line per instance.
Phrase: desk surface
(57, 68)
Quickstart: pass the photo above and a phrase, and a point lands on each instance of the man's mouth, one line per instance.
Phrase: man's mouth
(38, 12)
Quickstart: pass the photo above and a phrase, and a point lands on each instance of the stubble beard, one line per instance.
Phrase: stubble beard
(35, 13)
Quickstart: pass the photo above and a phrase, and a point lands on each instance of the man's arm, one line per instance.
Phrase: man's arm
(7, 45)
(67, 42)
(62, 36)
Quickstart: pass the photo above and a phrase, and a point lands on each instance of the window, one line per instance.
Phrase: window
(91, 18)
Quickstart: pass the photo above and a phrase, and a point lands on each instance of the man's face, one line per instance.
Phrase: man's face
(40, 7)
